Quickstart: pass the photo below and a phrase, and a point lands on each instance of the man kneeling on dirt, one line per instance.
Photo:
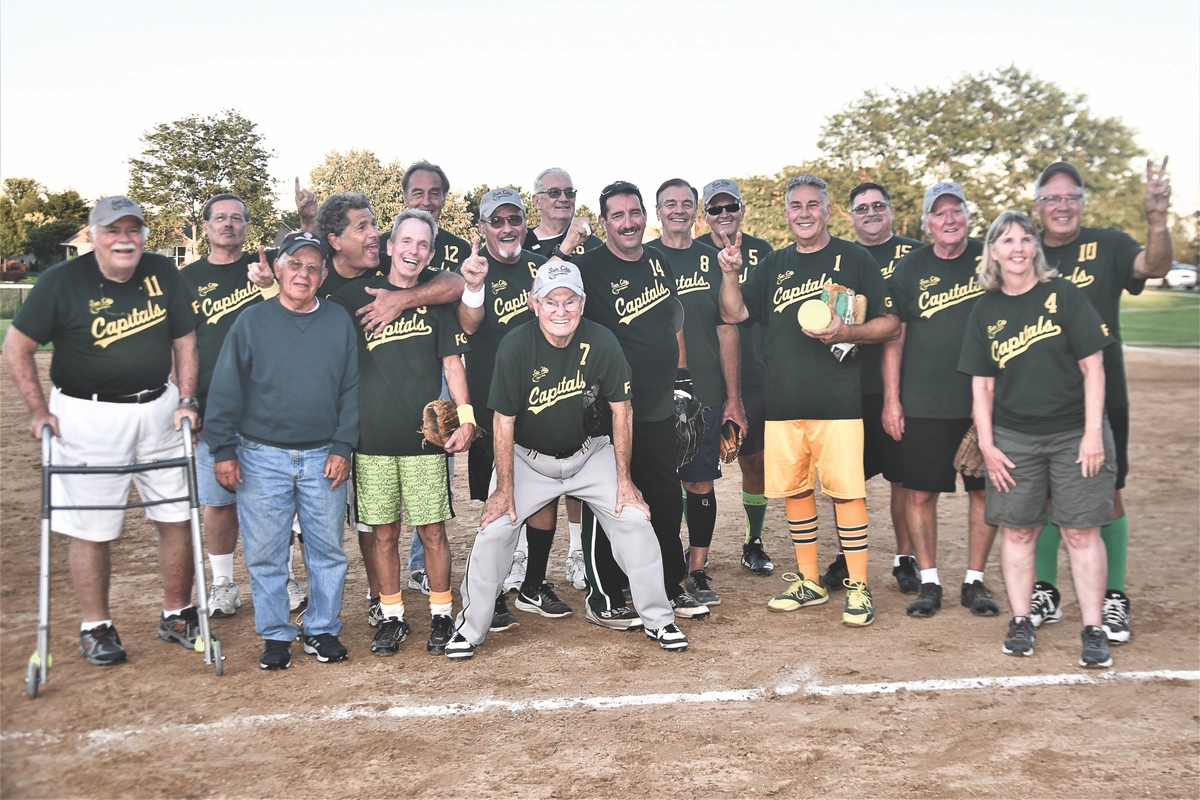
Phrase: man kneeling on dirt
(282, 419)
(118, 318)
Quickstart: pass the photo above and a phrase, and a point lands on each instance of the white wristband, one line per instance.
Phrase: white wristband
(472, 299)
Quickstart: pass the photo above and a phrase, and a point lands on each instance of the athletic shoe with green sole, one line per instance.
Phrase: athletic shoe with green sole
(801, 593)
(860, 610)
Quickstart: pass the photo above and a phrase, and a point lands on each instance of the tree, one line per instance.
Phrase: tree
(361, 171)
(37, 221)
(46, 241)
(992, 133)
(12, 233)
(186, 162)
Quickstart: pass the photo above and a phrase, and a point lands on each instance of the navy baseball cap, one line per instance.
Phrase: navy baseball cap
(294, 241)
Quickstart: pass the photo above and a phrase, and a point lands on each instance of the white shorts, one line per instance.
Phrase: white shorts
(115, 434)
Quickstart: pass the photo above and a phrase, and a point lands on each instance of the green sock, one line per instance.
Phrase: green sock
(1116, 541)
(1047, 552)
(756, 513)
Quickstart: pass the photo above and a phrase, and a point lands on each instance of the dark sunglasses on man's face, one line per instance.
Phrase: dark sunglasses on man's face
(732, 208)
(498, 222)
(556, 193)
(877, 207)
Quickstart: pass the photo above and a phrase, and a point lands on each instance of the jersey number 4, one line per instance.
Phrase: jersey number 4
(1052, 303)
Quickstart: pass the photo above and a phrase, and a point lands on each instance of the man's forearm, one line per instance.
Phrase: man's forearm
(19, 351)
(187, 364)
(502, 447)
(731, 360)
(622, 421)
(881, 329)
(733, 306)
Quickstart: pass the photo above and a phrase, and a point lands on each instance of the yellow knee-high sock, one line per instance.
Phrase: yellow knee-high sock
(802, 522)
(852, 531)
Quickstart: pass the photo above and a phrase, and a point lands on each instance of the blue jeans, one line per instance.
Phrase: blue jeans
(276, 483)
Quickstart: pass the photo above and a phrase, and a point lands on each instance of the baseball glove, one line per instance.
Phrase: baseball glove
(731, 441)
(969, 458)
(851, 307)
(597, 413)
(440, 421)
(689, 427)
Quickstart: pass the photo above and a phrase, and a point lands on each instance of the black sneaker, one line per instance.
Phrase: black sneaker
(1046, 606)
(502, 618)
(326, 647)
(1116, 617)
(439, 633)
(688, 607)
(1019, 641)
(392, 633)
(374, 612)
(544, 601)
(755, 559)
(699, 586)
(669, 637)
(837, 574)
(101, 646)
(1095, 648)
(182, 628)
(617, 619)
(275, 654)
(979, 598)
(459, 647)
(928, 601)
(907, 576)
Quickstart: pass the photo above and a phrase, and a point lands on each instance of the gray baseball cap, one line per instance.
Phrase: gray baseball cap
(1060, 168)
(110, 209)
(941, 189)
(722, 186)
(557, 275)
(499, 197)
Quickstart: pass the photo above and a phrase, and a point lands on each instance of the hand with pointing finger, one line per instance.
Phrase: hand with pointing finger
(474, 268)
(260, 272)
(306, 205)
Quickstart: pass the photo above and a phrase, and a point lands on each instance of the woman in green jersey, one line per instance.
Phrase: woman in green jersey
(1033, 346)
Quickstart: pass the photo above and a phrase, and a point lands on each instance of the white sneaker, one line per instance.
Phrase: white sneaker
(576, 572)
(297, 598)
(419, 580)
(516, 575)
(223, 598)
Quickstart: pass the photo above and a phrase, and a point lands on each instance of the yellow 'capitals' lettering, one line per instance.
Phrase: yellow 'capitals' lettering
(1003, 352)
(931, 303)
(215, 309)
(400, 329)
(1081, 277)
(691, 283)
(541, 399)
(786, 297)
(628, 310)
(105, 333)
(507, 309)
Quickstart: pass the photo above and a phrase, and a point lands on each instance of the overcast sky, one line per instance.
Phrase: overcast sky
(495, 91)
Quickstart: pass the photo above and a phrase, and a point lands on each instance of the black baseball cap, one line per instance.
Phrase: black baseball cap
(294, 241)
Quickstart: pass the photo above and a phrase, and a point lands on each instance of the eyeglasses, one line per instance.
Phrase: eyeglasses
(877, 206)
(497, 223)
(732, 208)
(1061, 199)
(570, 306)
(556, 193)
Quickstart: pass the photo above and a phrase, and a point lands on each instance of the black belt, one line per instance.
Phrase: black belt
(146, 396)
(563, 453)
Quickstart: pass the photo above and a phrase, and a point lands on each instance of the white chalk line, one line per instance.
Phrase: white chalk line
(801, 683)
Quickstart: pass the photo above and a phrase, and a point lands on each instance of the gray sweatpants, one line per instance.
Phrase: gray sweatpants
(590, 475)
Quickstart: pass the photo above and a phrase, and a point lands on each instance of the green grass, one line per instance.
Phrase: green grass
(4, 323)
(1161, 318)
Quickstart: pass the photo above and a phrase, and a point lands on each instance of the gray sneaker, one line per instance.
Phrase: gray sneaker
(502, 618)
(1019, 641)
(419, 580)
(623, 618)
(297, 597)
(1095, 653)
(700, 588)
(224, 599)
(688, 607)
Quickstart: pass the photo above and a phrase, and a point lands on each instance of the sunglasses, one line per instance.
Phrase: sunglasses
(497, 223)
(618, 186)
(732, 208)
(556, 193)
(877, 206)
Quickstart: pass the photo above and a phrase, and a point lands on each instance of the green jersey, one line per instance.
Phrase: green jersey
(698, 287)
(545, 247)
(449, 251)
(223, 291)
(400, 369)
(750, 334)
(505, 306)
(1032, 344)
(109, 337)
(804, 380)
(334, 281)
(543, 386)
(1100, 262)
(887, 256)
(934, 297)
(636, 301)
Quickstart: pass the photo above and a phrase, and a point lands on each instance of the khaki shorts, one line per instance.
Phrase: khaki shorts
(383, 483)
(800, 450)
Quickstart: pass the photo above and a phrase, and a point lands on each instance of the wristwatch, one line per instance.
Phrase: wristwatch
(559, 252)
(190, 401)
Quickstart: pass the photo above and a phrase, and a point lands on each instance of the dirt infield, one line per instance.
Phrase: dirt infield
(760, 705)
